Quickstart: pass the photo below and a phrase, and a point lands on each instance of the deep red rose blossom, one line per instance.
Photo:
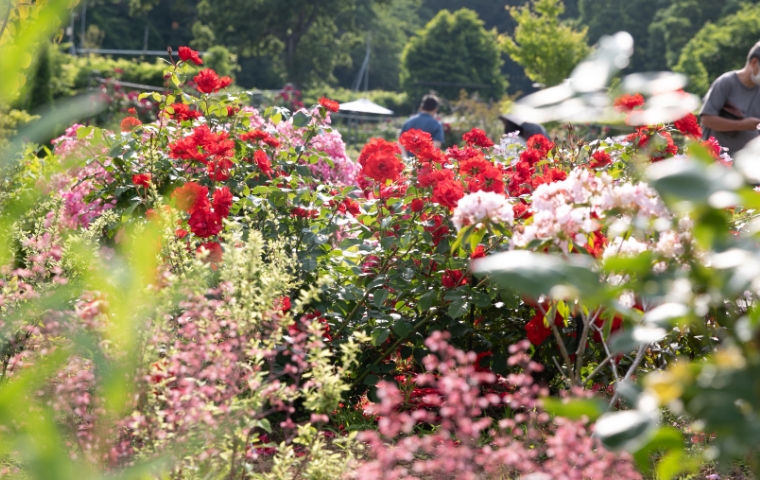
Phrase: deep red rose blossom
(222, 201)
(330, 105)
(142, 179)
(418, 205)
(600, 159)
(689, 125)
(188, 54)
(477, 137)
(207, 81)
(262, 161)
(453, 279)
(191, 197)
(448, 193)
(205, 223)
(627, 102)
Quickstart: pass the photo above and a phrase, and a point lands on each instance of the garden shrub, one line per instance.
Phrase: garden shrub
(262, 288)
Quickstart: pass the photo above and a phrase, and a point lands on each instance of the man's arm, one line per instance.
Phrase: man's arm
(436, 144)
(720, 124)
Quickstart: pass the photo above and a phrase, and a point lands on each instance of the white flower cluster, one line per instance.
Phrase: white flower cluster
(562, 210)
(480, 207)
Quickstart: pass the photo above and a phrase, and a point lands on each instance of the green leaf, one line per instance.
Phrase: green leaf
(458, 308)
(575, 409)
(380, 296)
(371, 380)
(426, 301)
(626, 430)
(481, 299)
(665, 438)
(301, 119)
(628, 340)
(380, 335)
(536, 274)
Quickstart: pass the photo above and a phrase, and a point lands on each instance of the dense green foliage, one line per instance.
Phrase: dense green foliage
(719, 47)
(547, 48)
(453, 52)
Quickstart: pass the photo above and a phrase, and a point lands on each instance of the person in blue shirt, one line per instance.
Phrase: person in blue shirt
(425, 120)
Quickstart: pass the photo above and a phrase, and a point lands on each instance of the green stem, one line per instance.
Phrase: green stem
(383, 269)
(393, 348)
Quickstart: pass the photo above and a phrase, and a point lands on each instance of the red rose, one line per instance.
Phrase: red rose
(142, 179)
(378, 146)
(530, 157)
(330, 105)
(129, 124)
(453, 278)
(478, 138)
(224, 82)
(222, 201)
(205, 223)
(283, 304)
(448, 193)
(520, 210)
(254, 135)
(626, 102)
(416, 141)
(351, 206)
(689, 125)
(188, 54)
(479, 252)
(382, 167)
(207, 81)
(600, 159)
(262, 161)
(181, 233)
(713, 146)
(540, 143)
(536, 329)
(183, 112)
(191, 197)
(463, 154)
(427, 176)
(417, 205)
(214, 251)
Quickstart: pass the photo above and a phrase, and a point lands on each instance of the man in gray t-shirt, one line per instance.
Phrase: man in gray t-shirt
(731, 111)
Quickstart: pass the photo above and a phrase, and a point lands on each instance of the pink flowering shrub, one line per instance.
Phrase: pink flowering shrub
(466, 442)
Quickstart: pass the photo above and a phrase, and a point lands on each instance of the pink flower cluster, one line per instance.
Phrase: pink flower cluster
(526, 442)
(566, 208)
(76, 184)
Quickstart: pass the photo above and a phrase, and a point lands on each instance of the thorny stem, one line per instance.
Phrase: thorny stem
(561, 345)
(382, 271)
(634, 365)
(587, 322)
(393, 348)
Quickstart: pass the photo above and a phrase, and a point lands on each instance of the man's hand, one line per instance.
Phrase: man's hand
(720, 124)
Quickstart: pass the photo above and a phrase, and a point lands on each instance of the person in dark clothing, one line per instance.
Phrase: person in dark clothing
(731, 110)
(425, 120)
(525, 130)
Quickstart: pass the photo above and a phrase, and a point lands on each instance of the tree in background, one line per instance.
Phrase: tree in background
(389, 25)
(453, 52)
(547, 48)
(660, 28)
(719, 47)
(303, 39)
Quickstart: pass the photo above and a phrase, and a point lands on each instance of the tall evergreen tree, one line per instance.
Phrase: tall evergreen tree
(453, 52)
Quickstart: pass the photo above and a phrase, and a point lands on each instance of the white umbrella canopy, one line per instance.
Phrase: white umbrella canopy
(364, 105)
